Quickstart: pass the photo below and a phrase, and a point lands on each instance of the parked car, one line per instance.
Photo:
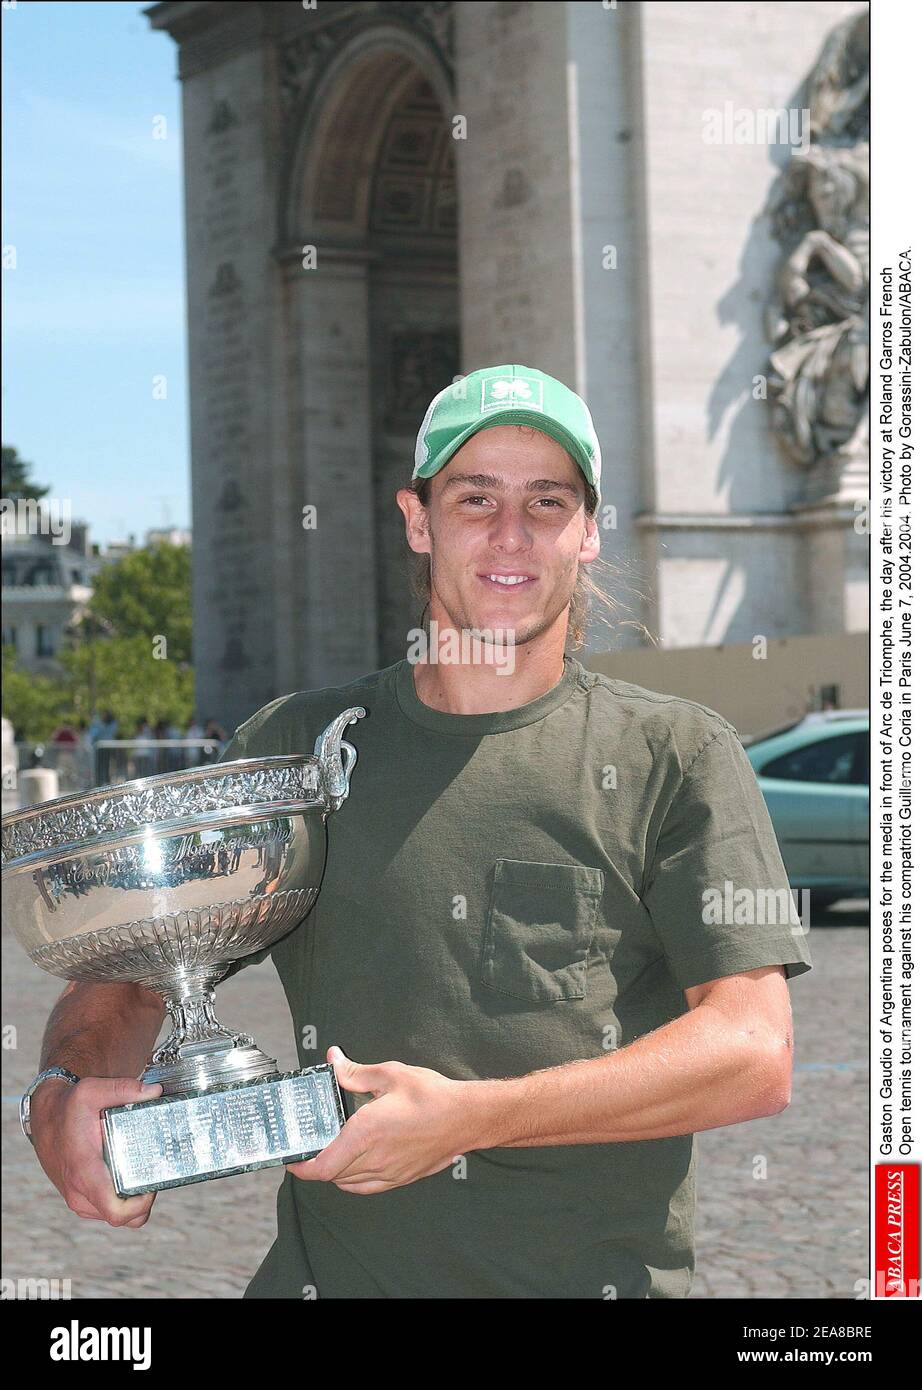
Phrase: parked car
(814, 777)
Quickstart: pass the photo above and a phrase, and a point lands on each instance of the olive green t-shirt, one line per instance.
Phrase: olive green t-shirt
(506, 892)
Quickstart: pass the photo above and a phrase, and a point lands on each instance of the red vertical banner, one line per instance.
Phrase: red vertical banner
(896, 1226)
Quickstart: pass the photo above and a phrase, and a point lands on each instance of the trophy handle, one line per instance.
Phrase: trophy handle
(337, 757)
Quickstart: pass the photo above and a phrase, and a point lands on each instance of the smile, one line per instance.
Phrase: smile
(507, 581)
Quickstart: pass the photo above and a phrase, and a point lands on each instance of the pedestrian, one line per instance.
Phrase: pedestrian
(218, 735)
(141, 754)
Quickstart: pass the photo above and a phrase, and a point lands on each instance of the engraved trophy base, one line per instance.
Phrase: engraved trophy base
(229, 1128)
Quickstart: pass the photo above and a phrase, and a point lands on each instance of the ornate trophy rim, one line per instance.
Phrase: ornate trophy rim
(292, 782)
(142, 784)
(164, 829)
(73, 822)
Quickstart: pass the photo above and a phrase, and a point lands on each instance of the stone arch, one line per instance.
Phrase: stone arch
(369, 181)
(338, 121)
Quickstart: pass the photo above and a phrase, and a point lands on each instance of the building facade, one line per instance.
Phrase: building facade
(49, 570)
(46, 586)
(381, 196)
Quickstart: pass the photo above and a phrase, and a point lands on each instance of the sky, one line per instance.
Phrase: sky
(94, 309)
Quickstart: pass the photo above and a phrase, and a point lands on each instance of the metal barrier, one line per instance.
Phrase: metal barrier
(123, 759)
(73, 762)
(81, 767)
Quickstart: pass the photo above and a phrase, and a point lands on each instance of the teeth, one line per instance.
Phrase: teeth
(509, 578)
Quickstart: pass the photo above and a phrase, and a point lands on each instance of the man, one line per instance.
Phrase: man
(104, 726)
(535, 943)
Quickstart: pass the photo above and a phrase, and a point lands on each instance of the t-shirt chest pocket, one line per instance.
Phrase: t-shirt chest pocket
(539, 928)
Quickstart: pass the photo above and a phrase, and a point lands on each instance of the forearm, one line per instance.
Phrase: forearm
(698, 1072)
(102, 1030)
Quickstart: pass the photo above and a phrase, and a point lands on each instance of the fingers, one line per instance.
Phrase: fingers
(97, 1179)
(139, 1220)
(366, 1189)
(90, 1191)
(109, 1091)
(125, 1211)
(341, 1154)
(70, 1149)
(371, 1078)
(97, 1200)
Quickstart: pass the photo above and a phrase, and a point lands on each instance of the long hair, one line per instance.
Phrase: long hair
(589, 601)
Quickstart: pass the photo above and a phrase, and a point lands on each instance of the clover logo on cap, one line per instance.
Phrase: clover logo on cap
(499, 391)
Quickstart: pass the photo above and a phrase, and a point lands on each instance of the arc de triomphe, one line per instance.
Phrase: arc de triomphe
(382, 195)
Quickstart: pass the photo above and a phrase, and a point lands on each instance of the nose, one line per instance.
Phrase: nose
(510, 531)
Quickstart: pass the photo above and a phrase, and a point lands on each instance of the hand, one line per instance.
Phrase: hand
(414, 1127)
(67, 1135)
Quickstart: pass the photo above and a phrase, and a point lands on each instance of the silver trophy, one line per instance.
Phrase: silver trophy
(165, 881)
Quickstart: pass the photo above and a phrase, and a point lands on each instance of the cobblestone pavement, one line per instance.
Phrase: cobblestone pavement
(802, 1229)
(782, 1202)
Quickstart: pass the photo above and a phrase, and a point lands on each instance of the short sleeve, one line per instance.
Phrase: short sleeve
(718, 892)
(234, 748)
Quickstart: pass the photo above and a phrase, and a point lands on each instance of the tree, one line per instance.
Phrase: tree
(113, 659)
(35, 705)
(130, 681)
(14, 477)
(148, 594)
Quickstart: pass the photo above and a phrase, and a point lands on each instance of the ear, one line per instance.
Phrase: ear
(592, 541)
(416, 519)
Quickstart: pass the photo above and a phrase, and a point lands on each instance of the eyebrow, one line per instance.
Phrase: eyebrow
(486, 480)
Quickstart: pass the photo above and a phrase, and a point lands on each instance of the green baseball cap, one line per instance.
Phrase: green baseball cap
(507, 395)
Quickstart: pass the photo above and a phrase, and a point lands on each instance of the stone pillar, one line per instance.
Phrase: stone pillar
(414, 352)
(232, 331)
(514, 188)
(331, 629)
(608, 277)
(549, 234)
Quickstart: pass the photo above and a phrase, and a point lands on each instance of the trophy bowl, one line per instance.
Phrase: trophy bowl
(165, 881)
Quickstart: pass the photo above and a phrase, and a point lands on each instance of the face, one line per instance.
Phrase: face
(507, 530)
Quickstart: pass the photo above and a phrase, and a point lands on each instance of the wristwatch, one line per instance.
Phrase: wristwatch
(25, 1105)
